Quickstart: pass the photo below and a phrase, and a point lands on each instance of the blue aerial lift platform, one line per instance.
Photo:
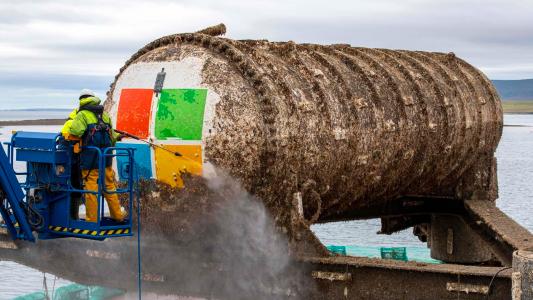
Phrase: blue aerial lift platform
(41, 203)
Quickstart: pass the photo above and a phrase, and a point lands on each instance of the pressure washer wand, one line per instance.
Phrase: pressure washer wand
(148, 142)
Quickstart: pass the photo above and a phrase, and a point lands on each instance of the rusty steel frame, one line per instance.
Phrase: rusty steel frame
(366, 278)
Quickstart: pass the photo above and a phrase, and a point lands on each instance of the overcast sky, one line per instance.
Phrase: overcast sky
(49, 50)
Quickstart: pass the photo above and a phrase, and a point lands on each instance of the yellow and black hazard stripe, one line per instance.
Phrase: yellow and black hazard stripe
(101, 233)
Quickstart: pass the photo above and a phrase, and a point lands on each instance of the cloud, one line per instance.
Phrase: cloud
(72, 39)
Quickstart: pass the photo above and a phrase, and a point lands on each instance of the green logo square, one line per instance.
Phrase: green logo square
(180, 114)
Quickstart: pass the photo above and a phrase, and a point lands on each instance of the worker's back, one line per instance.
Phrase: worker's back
(94, 127)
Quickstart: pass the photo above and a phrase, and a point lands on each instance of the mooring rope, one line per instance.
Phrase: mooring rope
(45, 287)
(54, 287)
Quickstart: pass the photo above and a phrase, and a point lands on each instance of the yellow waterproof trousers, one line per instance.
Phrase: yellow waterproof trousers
(91, 203)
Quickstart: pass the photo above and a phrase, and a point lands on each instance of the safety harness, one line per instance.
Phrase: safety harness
(98, 135)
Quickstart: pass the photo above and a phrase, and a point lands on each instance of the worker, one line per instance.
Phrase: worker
(75, 176)
(93, 126)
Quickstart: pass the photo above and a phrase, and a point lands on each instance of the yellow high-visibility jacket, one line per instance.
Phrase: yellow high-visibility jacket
(65, 131)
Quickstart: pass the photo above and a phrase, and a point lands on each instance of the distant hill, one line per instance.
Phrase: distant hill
(515, 89)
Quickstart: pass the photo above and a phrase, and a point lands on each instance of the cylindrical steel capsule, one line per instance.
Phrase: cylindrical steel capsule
(348, 127)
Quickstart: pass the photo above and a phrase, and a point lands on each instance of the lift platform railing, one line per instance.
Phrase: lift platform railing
(11, 207)
(102, 155)
(130, 182)
(105, 226)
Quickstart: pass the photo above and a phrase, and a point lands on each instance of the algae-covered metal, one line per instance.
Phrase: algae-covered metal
(349, 128)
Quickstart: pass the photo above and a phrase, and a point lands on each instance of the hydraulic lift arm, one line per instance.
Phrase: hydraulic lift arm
(12, 208)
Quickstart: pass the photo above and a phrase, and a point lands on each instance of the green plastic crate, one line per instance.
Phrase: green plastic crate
(397, 253)
(76, 292)
(102, 293)
(72, 292)
(341, 250)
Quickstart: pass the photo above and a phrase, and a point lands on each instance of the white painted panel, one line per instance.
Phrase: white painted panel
(186, 73)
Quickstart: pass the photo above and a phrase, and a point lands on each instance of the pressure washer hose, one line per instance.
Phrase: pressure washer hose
(139, 267)
(147, 142)
(155, 145)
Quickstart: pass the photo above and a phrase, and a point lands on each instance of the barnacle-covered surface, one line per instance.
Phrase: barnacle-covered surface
(348, 127)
